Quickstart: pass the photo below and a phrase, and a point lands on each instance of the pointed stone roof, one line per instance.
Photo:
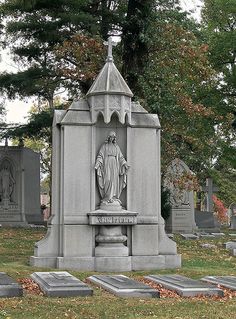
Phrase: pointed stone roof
(109, 81)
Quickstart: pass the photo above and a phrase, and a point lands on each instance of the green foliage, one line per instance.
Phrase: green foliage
(219, 22)
(34, 29)
(165, 203)
(219, 18)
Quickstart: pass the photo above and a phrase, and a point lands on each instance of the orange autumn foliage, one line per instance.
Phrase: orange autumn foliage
(220, 209)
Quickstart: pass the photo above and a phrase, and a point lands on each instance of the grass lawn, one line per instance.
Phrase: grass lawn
(16, 245)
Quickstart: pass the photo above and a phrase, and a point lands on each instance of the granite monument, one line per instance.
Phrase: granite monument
(106, 184)
(179, 182)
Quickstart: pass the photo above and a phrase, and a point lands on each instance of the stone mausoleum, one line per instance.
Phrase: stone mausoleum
(19, 186)
(106, 207)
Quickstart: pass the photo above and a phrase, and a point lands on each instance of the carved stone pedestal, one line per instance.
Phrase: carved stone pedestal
(110, 240)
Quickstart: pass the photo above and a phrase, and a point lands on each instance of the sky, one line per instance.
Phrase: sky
(17, 110)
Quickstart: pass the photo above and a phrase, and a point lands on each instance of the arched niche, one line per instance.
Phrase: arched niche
(8, 181)
(102, 131)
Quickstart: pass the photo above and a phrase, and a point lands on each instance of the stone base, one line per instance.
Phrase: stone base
(14, 224)
(35, 219)
(156, 262)
(103, 251)
(44, 262)
(76, 263)
(109, 264)
(180, 221)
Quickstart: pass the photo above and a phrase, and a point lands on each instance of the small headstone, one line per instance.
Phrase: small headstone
(206, 221)
(9, 287)
(123, 286)
(61, 284)
(179, 181)
(230, 245)
(225, 281)
(188, 236)
(185, 286)
(218, 234)
(232, 235)
(210, 246)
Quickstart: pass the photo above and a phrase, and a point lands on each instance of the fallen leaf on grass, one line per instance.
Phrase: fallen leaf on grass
(166, 293)
(30, 286)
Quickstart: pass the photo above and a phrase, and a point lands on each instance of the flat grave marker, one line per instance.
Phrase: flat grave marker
(9, 287)
(61, 284)
(218, 234)
(123, 286)
(188, 236)
(225, 281)
(185, 286)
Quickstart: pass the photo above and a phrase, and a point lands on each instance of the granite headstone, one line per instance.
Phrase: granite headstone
(185, 286)
(9, 287)
(225, 281)
(123, 286)
(61, 284)
(179, 182)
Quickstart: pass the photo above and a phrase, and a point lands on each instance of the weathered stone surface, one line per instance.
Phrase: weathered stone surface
(230, 245)
(102, 217)
(123, 286)
(9, 287)
(225, 281)
(189, 236)
(61, 284)
(185, 286)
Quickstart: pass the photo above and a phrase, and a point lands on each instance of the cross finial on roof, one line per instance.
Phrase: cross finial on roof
(110, 44)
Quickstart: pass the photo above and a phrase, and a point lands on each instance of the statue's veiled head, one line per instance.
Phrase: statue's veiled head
(111, 137)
